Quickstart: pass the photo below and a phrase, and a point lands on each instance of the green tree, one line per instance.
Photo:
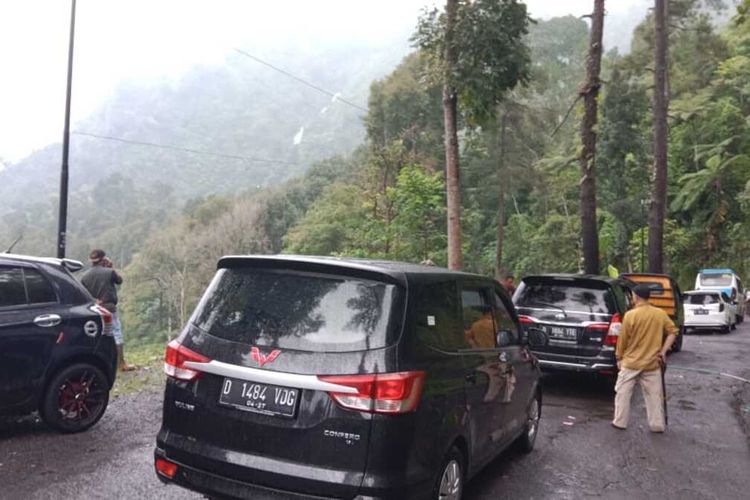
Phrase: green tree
(476, 51)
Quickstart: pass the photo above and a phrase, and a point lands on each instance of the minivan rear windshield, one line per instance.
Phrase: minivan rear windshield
(716, 279)
(571, 298)
(296, 311)
(700, 299)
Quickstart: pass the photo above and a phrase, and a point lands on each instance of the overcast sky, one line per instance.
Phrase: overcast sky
(144, 40)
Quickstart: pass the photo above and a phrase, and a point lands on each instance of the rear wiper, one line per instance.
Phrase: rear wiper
(545, 304)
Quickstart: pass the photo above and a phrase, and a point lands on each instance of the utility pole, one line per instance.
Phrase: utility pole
(62, 222)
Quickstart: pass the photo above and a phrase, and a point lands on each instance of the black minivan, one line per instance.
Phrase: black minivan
(57, 352)
(310, 377)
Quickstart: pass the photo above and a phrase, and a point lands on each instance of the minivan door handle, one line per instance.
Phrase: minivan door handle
(47, 320)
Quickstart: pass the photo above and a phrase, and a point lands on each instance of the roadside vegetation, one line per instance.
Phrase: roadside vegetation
(519, 154)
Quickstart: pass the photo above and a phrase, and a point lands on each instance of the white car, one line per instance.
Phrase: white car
(709, 310)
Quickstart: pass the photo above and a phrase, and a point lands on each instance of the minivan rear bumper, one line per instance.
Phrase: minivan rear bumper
(211, 469)
(576, 363)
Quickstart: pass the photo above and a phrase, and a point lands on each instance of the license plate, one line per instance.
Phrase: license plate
(259, 398)
(562, 332)
(700, 311)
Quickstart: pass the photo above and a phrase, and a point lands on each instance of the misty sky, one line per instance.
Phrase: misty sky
(148, 40)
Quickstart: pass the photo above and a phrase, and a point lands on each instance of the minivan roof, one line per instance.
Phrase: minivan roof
(578, 277)
(402, 272)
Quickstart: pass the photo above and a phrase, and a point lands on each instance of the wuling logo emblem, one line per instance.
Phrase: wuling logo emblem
(261, 358)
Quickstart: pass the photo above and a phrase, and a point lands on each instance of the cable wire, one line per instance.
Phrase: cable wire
(304, 82)
(186, 150)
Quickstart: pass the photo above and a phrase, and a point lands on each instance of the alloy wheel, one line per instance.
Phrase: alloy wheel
(81, 396)
(451, 482)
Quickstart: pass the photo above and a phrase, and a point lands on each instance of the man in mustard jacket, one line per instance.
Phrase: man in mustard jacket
(641, 351)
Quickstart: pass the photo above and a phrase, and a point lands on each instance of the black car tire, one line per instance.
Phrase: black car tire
(76, 398)
(734, 326)
(449, 483)
(526, 440)
(726, 329)
(677, 346)
(740, 318)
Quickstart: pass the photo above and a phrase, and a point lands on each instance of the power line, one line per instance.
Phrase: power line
(185, 150)
(304, 82)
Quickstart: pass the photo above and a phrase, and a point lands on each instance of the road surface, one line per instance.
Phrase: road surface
(704, 454)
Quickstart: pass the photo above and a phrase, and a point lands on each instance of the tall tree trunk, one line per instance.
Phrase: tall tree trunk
(500, 239)
(590, 93)
(450, 112)
(658, 208)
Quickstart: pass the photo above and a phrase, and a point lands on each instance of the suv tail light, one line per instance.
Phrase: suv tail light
(390, 393)
(108, 326)
(611, 329)
(525, 320)
(175, 358)
(613, 332)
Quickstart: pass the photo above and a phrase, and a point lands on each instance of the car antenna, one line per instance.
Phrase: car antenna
(20, 237)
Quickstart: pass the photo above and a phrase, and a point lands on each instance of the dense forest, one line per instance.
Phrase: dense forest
(519, 174)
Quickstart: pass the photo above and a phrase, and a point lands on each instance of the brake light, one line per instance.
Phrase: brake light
(108, 327)
(526, 320)
(390, 393)
(613, 331)
(175, 358)
(166, 468)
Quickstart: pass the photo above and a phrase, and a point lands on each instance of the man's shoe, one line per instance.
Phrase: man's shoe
(618, 427)
(658, 431)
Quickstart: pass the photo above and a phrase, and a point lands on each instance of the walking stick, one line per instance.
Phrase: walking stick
(664, 391)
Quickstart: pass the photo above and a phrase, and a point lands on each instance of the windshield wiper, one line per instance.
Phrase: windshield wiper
(545, 304)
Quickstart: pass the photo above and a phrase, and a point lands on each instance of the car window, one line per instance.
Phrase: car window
(38, 288)
(507, 330)
(716, 279)
(479, 325)
(12, 292)
(700, 299)
(438, 321)
(309, 313)
(572, 298)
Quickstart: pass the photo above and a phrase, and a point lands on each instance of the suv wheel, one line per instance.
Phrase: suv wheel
(450, 480)
(75, 398)
(528, 438)
(677, 346)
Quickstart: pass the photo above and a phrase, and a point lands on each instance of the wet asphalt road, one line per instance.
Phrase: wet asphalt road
(704, 454)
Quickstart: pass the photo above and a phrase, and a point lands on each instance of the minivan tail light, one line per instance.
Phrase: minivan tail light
(390, 393)
(174, 361)
(166, 468)
(613, 332)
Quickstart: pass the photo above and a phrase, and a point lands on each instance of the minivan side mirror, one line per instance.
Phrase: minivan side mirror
(536, 337)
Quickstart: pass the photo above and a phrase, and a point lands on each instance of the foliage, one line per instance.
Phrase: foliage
(490, 52)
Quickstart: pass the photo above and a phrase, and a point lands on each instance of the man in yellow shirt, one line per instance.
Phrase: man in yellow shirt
(641, 350)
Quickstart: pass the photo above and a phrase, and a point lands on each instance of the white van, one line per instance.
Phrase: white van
(723, 280)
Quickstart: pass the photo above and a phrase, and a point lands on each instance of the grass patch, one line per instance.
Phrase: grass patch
(149, 358)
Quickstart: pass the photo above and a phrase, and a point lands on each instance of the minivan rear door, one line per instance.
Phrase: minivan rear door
(270, 335)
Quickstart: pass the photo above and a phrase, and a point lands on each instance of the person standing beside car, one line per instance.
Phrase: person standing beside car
(101, 280)
(641, 352)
